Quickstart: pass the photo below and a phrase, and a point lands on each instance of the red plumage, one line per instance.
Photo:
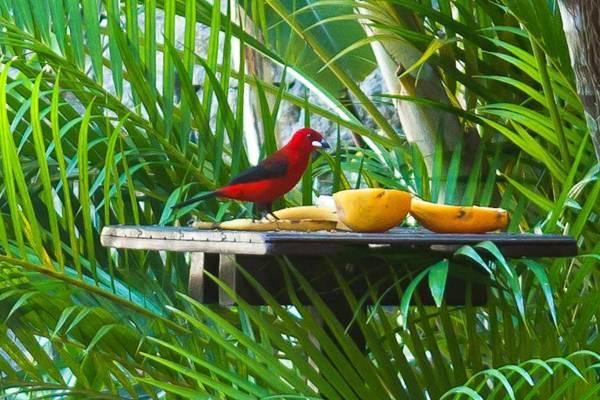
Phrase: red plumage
(274, 176)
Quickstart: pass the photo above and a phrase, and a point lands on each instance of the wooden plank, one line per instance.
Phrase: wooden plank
(321, 243)
(182, 239)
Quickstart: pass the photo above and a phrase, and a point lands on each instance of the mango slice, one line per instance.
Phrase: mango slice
(458, 219)
(372, 210)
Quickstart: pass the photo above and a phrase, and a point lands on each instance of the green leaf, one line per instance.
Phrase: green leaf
(469, 252)
(182, 391)
(438, 167)
(91, 12)
(231, 377)
(453, 173)
(522, 372)
(307, 177)
(60, 159)
(498, 375)
(337, 71)
(431, 49)
(168, 66)
(116, 62)
(544, 282)
(437, 281)
(84, 187)
(75, 31)
(462, 390)
(223, 388)
(40, 151)
(59, 25)
(412, 286)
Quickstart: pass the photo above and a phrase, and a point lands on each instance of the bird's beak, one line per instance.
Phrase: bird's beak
(321, 144)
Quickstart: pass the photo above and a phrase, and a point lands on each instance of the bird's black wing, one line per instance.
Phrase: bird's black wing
(271, 167)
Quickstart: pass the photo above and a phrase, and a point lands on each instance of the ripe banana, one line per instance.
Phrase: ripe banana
(372, 210)
(306, 212)
(458, 219)
(204, 225)
(304, 218)
(306, 225)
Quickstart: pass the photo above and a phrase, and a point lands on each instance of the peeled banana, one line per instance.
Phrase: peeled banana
(306, 212)
(303, 218)
(204, 225)
(306, 218)
(306, 225)
(246, 224)
(458, 219)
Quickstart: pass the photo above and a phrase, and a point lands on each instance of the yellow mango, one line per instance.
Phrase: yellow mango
(458, 219)
(372, 210)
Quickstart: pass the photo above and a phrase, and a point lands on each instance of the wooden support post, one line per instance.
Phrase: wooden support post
(228, 275)
(196, 277)
(200, 287)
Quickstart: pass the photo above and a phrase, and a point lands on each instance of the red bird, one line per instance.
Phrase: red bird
(272, 177)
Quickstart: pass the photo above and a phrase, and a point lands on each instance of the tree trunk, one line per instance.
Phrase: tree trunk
(420, 124)
(581, 23)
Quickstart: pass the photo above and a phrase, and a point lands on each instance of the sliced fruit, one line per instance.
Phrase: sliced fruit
(458, 219)
(372, 210)
(204, 225)
(306, 212)
(246, 224)
(326, 201)
(312, 212)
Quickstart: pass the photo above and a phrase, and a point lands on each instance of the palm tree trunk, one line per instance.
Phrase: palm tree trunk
(420, 124)
(580, 23)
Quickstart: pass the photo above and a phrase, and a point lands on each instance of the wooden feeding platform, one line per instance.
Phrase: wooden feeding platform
(361, 258)
(217, 251)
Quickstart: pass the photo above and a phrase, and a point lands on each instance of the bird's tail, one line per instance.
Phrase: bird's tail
(194, 200)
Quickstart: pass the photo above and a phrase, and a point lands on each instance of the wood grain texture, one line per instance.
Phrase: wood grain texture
(182, 239)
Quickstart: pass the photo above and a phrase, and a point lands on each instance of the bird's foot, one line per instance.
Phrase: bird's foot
(192, 221)
(268, 215)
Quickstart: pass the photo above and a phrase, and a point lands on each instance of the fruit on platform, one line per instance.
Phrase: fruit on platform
(372, 210)
(261, 225)
(306, 212)
(458, 219)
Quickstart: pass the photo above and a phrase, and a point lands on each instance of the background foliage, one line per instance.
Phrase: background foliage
(102, 122)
